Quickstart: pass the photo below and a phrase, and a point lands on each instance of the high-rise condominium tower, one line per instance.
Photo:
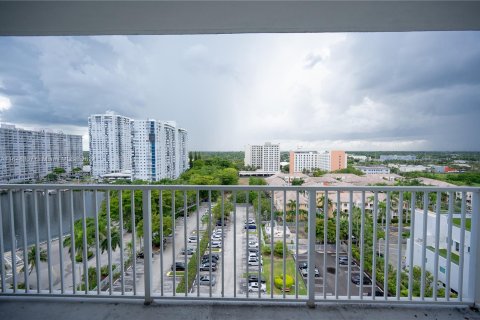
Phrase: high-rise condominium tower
(155, 149)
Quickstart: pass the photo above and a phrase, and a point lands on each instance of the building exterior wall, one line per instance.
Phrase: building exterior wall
(264, 157)
(429, 239)
(152, 150)
(110, 143)
(323, 160)
(28, 155)
(338, 160)
(374, 170)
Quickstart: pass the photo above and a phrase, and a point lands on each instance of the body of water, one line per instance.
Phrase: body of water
(52, 218)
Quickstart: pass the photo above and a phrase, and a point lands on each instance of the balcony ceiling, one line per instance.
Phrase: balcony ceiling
(25, 18)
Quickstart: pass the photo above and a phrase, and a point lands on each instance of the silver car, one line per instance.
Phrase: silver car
(205, 280)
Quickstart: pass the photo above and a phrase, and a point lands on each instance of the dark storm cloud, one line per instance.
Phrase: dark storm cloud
(417, 90)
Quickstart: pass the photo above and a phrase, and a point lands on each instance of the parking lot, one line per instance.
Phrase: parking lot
(326, 281)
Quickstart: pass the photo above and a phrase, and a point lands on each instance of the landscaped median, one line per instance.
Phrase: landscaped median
(290, 269)
(193, 264)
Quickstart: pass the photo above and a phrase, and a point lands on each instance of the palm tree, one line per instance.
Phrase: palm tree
(115, 239)
(292, 204)
(321, 203)
(32, 257)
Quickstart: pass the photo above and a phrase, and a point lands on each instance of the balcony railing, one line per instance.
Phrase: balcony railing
(415, 244)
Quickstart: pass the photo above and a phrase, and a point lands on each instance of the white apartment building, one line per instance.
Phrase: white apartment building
(110, 143)
(28, 155)
(149, 149)
(323, 160)
(159, 150)
(263, 157)
(429, 240)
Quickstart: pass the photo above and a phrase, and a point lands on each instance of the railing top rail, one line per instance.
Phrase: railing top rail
(236, 187)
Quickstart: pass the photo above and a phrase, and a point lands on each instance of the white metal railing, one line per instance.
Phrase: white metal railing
(85, 240)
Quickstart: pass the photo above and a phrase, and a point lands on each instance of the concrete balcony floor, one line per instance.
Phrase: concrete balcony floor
(34, 308)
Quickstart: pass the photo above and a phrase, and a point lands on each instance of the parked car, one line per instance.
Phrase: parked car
(304, 272)
(253, 244)
(250, 226)
(254, 261)
(216, 237)
(357, 278)
(219, 223)
(254, 278)
(215, 244)
(179, 266)
(303, 265)
(343, 261)
(190, 251)
(250, 221)
(207, 266)
(252, 254)
(215, 256)
(254, 287)
(192, 239)
(205, 280)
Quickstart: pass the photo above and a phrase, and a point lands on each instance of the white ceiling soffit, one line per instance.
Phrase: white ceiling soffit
(22, 18)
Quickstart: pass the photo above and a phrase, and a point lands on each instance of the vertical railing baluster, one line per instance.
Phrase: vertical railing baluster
(14, 243)
(413, 203)
(473, 276)
(185, 241)
(375, 246)
(350, 218)
(2, 252)
(259, 244)
(122, 260)
(134, 244)
(362, 243)
(386, 249)
(424, 244)
(247, 229)
(234, 244)
(400, 231)
(437, 244)
(284, 253)
(312, 236)
(109, 245)
(462, 247)
(222, 221)
(325, 228)
(199, 254)
(296, 244)
(272, 235)
(449, 245)
(147, 243)
(98, 256)
(72, 240)
(209, 235)
(160, 209)
(85, 244)
(25, 246)
(337, 243)
(60, 239)
(174, 265)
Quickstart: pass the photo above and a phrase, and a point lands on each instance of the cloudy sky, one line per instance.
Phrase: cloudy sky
(373, 91)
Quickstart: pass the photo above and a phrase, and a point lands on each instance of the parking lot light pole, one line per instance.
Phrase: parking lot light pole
(311, 248)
